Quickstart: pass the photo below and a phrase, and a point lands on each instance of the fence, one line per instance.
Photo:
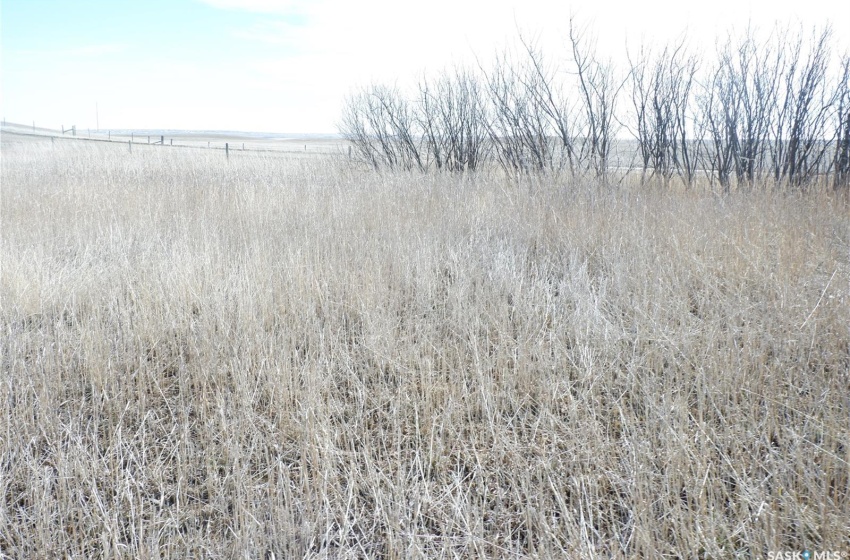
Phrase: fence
(293, 146)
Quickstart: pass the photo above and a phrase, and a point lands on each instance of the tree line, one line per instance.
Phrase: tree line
(774, 109)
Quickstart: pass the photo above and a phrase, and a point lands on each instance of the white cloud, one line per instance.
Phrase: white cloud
(275, 32)
(259, 6)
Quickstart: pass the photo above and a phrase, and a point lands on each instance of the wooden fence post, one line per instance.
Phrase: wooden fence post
(162, 140)
(226, 150)
(149, 139)
(172, 141)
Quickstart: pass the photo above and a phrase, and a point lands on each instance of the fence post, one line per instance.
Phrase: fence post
(243, 146)
(73, 129)
(149, 139)
(162, 140)
(130, 145)
(172, 141)
(109, 134)
(226, 150)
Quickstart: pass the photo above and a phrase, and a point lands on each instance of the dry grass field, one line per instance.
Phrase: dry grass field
(274, 357)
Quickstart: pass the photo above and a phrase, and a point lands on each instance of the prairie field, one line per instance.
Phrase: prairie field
(275, 357)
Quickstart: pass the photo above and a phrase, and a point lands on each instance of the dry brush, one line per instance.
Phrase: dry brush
(269, 358)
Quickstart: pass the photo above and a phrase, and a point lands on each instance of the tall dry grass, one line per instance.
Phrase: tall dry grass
(275, 358)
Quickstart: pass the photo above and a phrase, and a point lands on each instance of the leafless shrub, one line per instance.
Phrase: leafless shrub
(519, 126)
(757, 68)
(557, 105)
(599, 88)
(661, 96)
(800, 127)
(764, 110)
(380, 124)
(451, 116)
(719, 114)
(841, 155)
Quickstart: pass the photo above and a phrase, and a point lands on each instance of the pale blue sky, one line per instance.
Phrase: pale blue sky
(286, 65)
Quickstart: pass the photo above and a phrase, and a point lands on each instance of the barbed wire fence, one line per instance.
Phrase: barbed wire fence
(321, 147)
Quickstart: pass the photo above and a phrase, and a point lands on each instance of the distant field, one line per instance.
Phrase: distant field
(279, 356)
(325, 144)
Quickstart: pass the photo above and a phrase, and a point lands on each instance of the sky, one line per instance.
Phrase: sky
(287, 65)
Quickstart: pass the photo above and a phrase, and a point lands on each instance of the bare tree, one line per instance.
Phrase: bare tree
(660, 89)
(598, 89)
(558, 108)
(765, 109)
(451, 115)
(517, 125)
(686, 148)
(757, 69)
(841, 155)
(354, 127)
(719, 108)
(799, 133)
(739, 107)
(381, 127)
